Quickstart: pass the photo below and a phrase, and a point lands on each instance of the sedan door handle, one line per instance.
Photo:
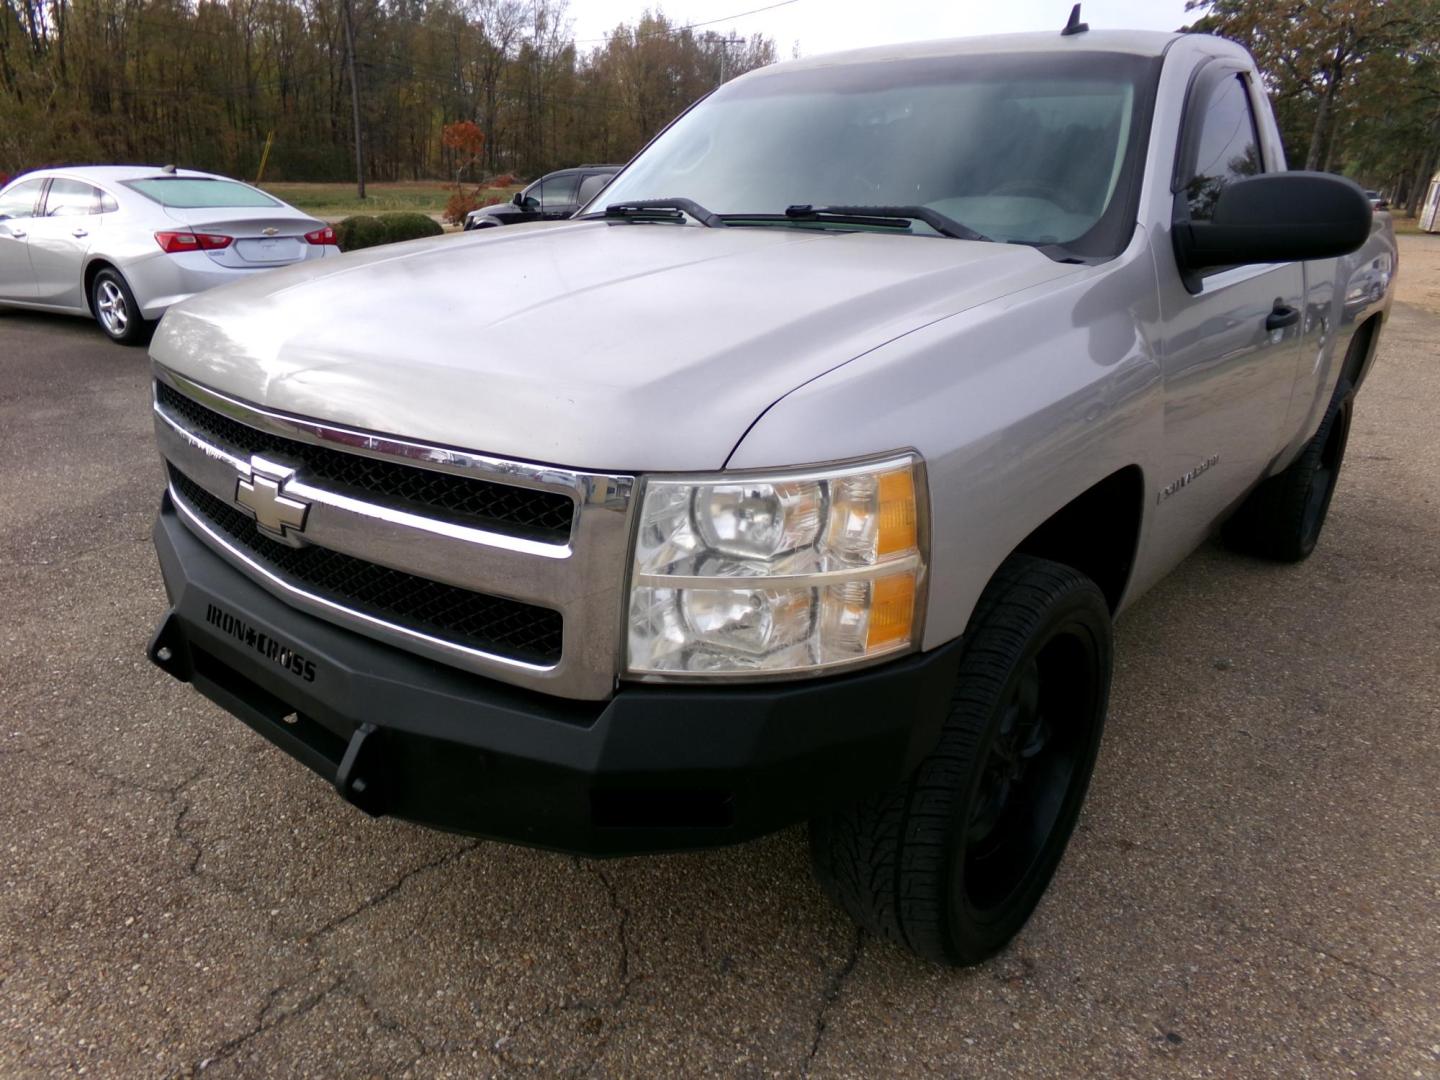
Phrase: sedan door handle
(78, 233)
(1281, 316)
(18, 234)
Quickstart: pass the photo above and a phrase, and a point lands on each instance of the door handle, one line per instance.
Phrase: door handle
(1281, 316)
(78, 233)
(18, 234)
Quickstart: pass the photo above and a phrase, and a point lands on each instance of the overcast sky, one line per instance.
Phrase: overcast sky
(822, 26)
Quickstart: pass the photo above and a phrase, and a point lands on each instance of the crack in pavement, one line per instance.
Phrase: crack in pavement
(1218, 913)
(1318, 950)
(267, 1018)
(390, 1024)
(626, 979)
(173, 791)
(622, 930)
(387, 892)
(231, 1047)
(832, 995)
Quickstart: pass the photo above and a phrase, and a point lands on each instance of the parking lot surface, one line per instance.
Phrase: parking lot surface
(1254, 888)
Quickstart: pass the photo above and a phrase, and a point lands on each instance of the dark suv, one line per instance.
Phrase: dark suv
(555, 195)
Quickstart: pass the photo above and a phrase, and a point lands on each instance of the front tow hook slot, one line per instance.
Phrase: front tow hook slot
(169, 650)
(360, 778)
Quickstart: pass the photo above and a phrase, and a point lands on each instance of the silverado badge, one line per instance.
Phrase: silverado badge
(261, 495)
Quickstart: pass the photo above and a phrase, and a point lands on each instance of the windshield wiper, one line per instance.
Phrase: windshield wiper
(664, 210)
(885, 215)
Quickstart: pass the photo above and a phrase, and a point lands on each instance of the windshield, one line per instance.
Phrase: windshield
(1031, 149)
(193, 193)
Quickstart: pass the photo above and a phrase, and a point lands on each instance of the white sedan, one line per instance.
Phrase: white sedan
(123, 243)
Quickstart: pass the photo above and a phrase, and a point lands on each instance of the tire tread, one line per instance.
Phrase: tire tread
(886, 860)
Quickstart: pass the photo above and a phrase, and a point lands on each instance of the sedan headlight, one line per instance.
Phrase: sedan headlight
(774, 574)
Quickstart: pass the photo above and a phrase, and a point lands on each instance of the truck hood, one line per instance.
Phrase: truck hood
(585, 344)
(493, 210)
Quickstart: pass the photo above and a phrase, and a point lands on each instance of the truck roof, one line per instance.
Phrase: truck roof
(1130, 42)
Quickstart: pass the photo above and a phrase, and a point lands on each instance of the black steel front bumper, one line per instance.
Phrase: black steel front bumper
(652, 769)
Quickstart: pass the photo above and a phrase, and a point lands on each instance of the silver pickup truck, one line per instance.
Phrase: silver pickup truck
(798, 479)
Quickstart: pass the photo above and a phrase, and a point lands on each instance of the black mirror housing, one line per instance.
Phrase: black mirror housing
(518, 199)
(1277, 217)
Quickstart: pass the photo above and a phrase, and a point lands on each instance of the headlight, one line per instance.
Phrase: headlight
(746, 575)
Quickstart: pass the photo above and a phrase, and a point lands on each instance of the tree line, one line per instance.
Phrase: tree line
(1355, 83)
(207, 84)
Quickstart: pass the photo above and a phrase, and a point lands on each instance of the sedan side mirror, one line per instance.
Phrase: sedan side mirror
(1277, 217)
(519, 199)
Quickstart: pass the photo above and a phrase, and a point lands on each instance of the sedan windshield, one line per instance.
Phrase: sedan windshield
(192, 193)
(1033, 149)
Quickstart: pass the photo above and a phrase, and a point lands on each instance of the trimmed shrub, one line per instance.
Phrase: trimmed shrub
(363, 231)
(409, 226)
(360, 231)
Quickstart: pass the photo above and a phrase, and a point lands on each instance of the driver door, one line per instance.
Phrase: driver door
(557, 200)
(60, 236)
(1232, 334)
(17, 211)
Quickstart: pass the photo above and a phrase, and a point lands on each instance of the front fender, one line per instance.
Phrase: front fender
(1018, 407)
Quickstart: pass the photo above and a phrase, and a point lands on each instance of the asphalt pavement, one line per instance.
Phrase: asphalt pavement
(1254, 889)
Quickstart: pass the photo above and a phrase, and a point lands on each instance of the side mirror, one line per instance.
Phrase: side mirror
(519, 199)
(1278, 217)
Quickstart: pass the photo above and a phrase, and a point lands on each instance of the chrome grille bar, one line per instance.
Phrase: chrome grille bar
(579, 577)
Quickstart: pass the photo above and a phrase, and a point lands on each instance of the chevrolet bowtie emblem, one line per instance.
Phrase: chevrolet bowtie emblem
(270, 230)
(261, 495)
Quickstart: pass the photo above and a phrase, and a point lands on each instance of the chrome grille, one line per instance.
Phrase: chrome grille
(500, 567)
(490, 623)
(543, 515)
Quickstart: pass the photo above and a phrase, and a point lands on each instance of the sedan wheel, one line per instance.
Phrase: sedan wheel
(110, 305)
(116, 310)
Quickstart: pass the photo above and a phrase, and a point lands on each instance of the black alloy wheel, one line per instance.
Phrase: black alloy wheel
(952, 862)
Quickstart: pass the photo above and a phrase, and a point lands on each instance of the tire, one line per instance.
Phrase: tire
(952, 862)
(1282, 518)
(115, 309)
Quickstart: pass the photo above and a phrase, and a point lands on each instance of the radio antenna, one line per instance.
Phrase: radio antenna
(1074, 26)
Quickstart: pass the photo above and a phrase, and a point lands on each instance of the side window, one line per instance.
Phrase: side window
(560, 192)
(19, 201)
(71, 198)
(1227, 147)
(108, 205)
(591, 186)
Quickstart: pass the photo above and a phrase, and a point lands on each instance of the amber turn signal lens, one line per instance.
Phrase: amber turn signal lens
(897, 513)
(892, 610)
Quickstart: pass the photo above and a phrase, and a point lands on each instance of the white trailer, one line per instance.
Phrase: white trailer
(1430, 209)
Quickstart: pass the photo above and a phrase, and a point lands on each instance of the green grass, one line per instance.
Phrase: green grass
(337, 201)
(1406, 226)
(340, 200)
